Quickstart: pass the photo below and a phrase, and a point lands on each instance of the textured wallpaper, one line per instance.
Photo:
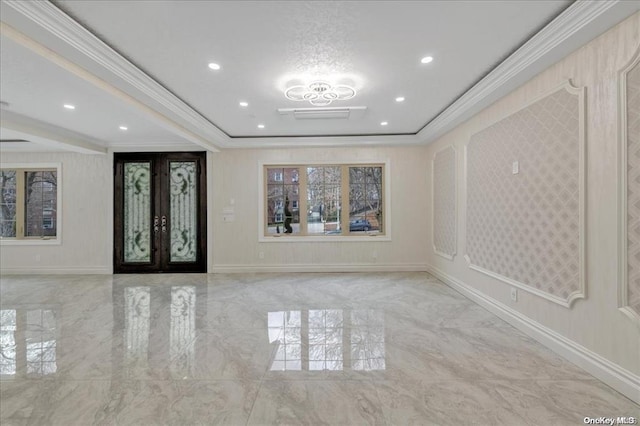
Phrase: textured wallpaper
(444, 202)
(633, 188)
(524, 228)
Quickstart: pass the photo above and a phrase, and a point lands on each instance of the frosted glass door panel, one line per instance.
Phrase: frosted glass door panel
(137, 212)
(184, 208)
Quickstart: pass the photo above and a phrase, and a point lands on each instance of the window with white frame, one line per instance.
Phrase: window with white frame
(319, 200)
(28, 203)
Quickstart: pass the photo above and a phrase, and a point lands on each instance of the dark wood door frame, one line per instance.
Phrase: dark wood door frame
(160, 202)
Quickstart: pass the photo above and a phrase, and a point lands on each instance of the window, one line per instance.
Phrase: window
(324, 200)
(29, 203)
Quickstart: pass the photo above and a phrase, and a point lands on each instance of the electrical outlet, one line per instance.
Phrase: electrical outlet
(261, 255)
(514, 294)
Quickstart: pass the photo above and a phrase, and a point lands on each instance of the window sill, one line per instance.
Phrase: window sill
(324, 239)
(30, 242)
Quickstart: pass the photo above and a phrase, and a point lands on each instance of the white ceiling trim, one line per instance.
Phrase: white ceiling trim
(152, 147)
(576, 17)
(156, 116)
(324, 141)
(59, 24)
(49, 135)
(539, 52)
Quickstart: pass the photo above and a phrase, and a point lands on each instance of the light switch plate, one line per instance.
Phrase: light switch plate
(516, 167)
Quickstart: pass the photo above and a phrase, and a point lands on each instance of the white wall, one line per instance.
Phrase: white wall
(87, 200)
(595, 323)
(87, 232)
(234, 245)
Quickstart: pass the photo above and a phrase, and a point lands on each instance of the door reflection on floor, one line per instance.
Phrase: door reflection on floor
(160, 329)
(155, 325)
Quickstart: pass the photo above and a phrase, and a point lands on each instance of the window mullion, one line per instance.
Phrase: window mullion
(302, 199)
(20, 203)
(344, 188)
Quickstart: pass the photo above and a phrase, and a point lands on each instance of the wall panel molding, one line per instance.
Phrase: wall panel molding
(444, 202)
(629, 197)
(525, 208)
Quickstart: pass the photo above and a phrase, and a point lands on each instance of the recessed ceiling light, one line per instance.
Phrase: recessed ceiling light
(260, 126)
(244, 104)
(426, 59)
(69, 106)
(214, 66)
(124, 128)
(384, 123)
(400, 99)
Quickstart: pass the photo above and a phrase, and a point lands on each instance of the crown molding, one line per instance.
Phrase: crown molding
(563, 35)
(512, 72)
(323, 141)
(48, 17)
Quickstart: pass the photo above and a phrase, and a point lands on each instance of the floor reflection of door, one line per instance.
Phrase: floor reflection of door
(160, 212)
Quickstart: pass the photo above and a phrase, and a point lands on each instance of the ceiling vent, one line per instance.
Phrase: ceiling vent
(324, 113)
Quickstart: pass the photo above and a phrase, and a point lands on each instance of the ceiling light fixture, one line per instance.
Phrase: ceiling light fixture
(69, 106)
(260, 126)
(400, 99)
(124, 128)
(426, 59)
(244, 104)
(214, 66)
(320, 93)
(384, 123)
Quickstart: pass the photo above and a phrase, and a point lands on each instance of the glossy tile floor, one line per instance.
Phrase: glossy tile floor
(396, 348)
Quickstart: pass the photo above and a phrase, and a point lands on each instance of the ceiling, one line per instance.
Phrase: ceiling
(144, 65)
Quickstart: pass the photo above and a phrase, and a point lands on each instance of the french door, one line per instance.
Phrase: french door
(160, 212)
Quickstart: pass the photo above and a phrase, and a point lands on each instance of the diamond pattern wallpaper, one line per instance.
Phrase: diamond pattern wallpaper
(633, 188)
(444, 202)
(524, 219)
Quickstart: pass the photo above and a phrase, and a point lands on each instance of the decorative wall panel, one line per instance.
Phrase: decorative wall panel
(525, 197)
(444, 202)
(630, 132)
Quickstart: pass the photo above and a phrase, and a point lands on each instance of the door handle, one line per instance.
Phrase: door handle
(156, 222)
(164, 224)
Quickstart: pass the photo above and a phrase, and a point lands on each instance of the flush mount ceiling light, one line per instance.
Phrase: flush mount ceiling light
(244, 104)
(214, 66)
(260, 126)
(123, 128)
(384, 123)
(69, 106)
(400, 99)
(320, 93)
(426, 59)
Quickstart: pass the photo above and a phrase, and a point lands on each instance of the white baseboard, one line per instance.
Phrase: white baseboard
(69, 270)
(346, 267)
(622, 380)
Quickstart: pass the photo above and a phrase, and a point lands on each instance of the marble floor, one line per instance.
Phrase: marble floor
(347, 349)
